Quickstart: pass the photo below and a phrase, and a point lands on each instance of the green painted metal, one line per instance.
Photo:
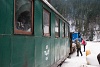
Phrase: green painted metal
(22, 51)
(6, 16)
(2, 16)
(5, 51)
(52, 51)
(57, 49)
(46, 56)
(52, 43)
(62, 48)
(38, 52)
(38, 10)
(34, 50)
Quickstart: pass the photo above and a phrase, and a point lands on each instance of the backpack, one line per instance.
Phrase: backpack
(78, 45)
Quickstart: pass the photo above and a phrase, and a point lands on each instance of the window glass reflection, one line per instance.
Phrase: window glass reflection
(23, 16)
(57, 27)
(66, 30)
(63, 29)
(46, 23)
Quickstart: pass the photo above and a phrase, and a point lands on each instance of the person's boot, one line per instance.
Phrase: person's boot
(81, 54)
(77, 54)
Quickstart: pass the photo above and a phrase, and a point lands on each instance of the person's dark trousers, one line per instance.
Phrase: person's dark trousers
(79, 50)
(84, 48)
(98, 57)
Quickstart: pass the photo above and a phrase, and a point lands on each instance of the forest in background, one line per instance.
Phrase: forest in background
(83, 14)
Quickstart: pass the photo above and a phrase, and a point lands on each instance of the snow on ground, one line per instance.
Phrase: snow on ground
(80, 61)
(94, 47)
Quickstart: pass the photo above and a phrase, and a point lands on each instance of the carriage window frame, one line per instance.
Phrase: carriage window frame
(30, 29)
(48, 32)
(57, 20)
(63, 29)
(66, 30)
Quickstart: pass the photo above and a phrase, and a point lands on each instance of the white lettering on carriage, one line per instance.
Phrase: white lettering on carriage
(46, 52)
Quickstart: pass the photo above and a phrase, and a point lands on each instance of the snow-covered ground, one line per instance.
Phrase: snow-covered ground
(80, 61)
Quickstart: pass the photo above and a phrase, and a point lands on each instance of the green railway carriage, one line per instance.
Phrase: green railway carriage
(32, 34)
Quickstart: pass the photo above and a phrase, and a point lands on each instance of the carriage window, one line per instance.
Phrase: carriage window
(57, 28)
(46, 23)
(63, 29)
(66, 30)
(23, 17)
